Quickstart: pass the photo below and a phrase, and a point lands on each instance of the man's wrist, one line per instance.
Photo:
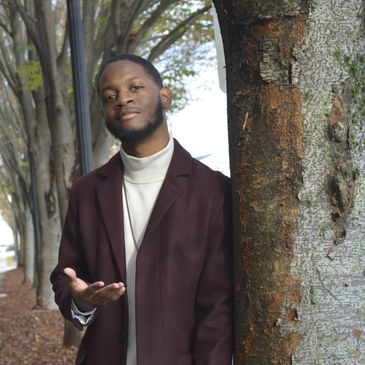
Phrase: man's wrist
(82, 318)
(82, 307)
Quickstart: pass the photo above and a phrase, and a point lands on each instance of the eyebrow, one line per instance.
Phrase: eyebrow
(109, 87)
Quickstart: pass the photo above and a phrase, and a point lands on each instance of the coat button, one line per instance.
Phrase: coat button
(122, 337)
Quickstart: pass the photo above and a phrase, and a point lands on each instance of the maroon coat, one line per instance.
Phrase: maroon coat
(183, 272)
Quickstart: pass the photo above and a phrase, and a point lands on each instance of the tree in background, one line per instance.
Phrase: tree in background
(15, 204)
(296, 97)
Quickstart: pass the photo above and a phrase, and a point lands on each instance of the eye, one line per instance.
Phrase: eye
(109, 97)
(137, 87)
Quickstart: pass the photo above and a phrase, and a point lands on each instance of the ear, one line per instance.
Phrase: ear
(165, 96)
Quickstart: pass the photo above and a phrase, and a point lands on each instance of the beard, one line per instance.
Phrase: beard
(137, 134)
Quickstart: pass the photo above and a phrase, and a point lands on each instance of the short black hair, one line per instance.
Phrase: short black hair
(147, 65)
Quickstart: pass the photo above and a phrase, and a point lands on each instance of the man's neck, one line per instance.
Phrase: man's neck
(154, 143)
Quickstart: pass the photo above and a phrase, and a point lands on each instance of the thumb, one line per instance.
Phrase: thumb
(70, 273)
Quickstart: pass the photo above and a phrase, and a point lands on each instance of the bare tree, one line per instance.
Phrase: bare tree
(14, 172)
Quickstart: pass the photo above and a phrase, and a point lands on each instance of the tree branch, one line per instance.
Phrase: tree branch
(65, 46)
(103, 35)
(30, 24)
(8, 154)
(3, 26)
(143, 5)
(7, 73)
(88, 15)
(17, 121)
(176, 33)
(146, 26)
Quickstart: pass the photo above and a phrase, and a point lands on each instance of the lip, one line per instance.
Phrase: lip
(127, 114)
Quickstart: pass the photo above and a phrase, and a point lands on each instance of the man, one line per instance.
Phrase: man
(145, 254)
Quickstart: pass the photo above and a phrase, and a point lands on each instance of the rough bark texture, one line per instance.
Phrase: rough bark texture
(299, 198)
(329, 245)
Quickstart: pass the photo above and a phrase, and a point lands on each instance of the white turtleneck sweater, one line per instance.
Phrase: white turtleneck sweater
(143, 178)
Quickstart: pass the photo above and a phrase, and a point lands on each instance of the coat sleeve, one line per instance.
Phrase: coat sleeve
(70, 255)
(214, 329)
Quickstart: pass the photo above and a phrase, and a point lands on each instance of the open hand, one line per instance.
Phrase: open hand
(88, 296)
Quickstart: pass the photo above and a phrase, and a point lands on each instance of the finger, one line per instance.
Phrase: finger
(117, 294)
(110, 288)
(109, 293)
(84, 292)
(94, 287)
(71, 274)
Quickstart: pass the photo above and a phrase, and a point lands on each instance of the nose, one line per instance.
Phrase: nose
(124, 98)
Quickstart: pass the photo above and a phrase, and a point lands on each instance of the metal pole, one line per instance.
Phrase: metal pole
(80, 85)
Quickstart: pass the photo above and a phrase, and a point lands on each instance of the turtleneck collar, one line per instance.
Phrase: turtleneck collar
(147, 169)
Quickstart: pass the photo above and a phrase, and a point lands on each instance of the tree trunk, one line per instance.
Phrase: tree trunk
(295, 89)
(28, 246)
(58, 113)
(50, 229)
(34, 115)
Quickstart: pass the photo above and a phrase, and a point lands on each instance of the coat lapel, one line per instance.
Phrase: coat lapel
(109, 197)
(180, 166)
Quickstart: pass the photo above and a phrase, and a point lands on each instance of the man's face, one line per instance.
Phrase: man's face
(131, 101)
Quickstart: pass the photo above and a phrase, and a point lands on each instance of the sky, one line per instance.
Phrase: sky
(201, 127)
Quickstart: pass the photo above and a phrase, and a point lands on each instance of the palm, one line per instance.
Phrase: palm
(78, 285)
(88, 296)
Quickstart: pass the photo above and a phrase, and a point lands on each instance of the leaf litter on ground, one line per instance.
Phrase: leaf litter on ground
(29, 335)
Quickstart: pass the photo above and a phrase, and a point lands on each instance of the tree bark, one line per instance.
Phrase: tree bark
(60, 124)
(29, 246)
(295, 130)
(35, 123)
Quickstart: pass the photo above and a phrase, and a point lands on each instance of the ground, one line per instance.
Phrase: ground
(29, 335)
